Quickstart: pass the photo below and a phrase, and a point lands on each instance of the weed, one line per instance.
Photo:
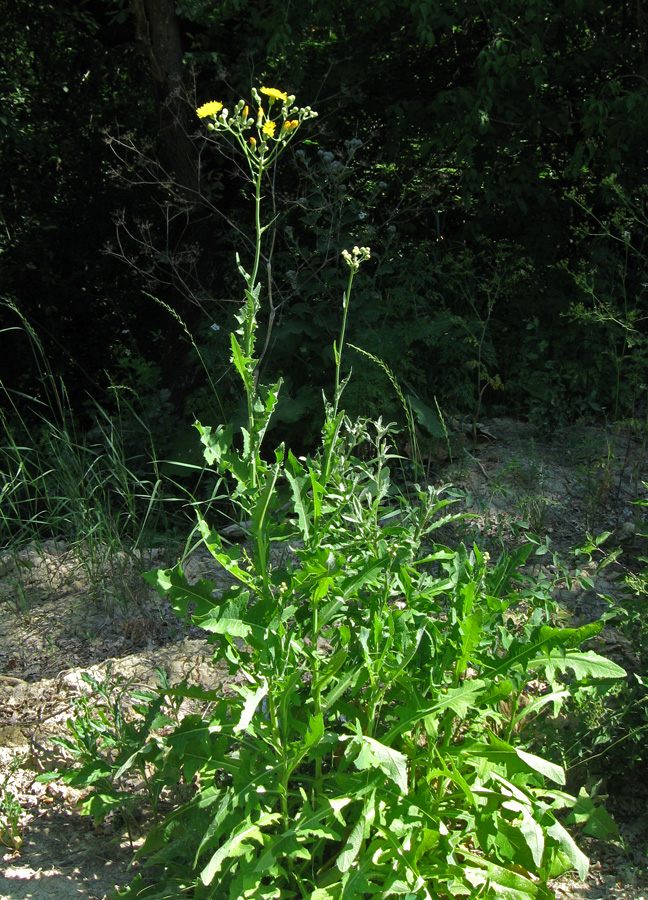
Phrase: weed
(369, 744)
(111, 737)
(10, 814)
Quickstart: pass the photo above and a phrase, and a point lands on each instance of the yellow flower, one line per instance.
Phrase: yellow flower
(291, 124)
(274, 94)
(246, 112)
(269, 128)
(209, 109)
(253, 141)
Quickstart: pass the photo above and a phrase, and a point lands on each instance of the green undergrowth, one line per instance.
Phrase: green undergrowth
(378, 735)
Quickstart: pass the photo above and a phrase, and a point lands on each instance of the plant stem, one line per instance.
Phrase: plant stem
(338, 350)
(250, 319)
(257, 223)
(317, 700)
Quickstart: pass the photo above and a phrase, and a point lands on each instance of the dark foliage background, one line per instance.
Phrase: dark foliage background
(493, 155)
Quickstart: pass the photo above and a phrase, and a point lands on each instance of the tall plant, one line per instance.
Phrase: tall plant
(369, 744)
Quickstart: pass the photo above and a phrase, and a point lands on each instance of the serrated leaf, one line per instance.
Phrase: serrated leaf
(557, 698)
(259, 514)
(499, 750)
(172, 584)
(367, 573)
(584, 664)
(460, 700)
(471, 631)
(501, 690)
(190, 744)
(214, 544)
(542, 643)
(231, 627)
(216, 443)
(242, 364)
(312, 823)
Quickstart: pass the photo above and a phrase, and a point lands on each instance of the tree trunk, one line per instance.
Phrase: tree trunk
(158, 36)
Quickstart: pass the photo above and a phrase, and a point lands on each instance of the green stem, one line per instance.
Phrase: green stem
(253, 304)
(257, 222)
(317, 700)
(338, 351)
(279, 743)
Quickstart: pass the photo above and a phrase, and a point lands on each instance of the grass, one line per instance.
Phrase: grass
(103, 495)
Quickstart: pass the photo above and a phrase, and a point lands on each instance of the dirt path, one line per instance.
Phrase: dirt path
(51, 632)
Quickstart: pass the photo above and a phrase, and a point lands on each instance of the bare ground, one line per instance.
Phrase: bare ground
(52, 630)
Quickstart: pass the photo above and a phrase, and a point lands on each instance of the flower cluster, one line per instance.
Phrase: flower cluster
(272, 127)
(356, 256)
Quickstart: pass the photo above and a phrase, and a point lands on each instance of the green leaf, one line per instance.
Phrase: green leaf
(355, 840)
(231, 627)
(190, 744)
(259, 513)
(268, 397)
(583, 664)
(532, 833)
(550, 770)
(595, 820)
(490, 879)
(101, 802)
(250, 706)
(555, 646)
(217, 443)
(374, 755)
(218, 450)
(299, 487)
(239, 843)
(578, 859)
(538, 703)
(500, 749)
(427, 417)
(172, 584)
(459, 699)
(471, 631)
(229, 562)
(294, 841)
(315, 731)
(243, 365)
(601, 825)
(367, 573)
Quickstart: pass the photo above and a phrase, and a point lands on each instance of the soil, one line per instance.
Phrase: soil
(53, 629)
